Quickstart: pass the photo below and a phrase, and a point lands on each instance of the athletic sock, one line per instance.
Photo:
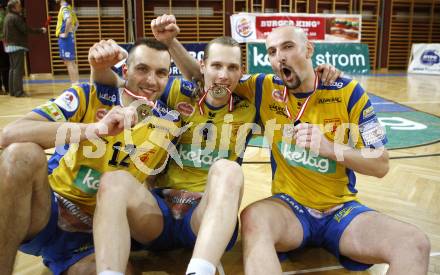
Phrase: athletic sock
(199, 266)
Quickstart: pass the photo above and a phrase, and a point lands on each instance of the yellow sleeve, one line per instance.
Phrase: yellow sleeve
(71, 105)
(366, 130)
(174, 88)
(246, 87)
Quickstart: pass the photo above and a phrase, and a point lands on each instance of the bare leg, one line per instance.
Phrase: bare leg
(124, 206)
(72, 69)
(216, 214)
(376, 238)
(25, 198)
(268, 226)
(87, 266)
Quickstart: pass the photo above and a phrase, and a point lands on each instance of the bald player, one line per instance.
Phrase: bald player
(314, 200)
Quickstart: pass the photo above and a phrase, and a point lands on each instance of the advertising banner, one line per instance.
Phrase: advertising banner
(333, 28)
(348, 57)
(425, 59)
(194, 49)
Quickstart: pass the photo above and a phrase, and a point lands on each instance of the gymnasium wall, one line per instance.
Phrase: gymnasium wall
(389, 27)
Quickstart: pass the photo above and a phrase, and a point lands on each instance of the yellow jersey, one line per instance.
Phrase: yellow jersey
(63, 14)
(75, 169)
(314, 181)
(211, 136)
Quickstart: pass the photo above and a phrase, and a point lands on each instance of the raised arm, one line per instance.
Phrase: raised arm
(165, 29)
(102, 56)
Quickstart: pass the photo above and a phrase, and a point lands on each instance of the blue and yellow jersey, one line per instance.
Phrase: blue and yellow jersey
(64, 13)
(212, 136)
(75, 169)
(314, 181)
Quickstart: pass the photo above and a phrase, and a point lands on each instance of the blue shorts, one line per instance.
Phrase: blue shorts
(177, 233)
(326, 231)
(67, 47)
(59, 249)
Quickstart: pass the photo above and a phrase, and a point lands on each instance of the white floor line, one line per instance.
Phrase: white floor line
(303, 271)
(11, 116)
(419, 102)
(407, 102)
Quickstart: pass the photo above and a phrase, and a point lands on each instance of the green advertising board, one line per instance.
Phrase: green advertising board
(347, 57)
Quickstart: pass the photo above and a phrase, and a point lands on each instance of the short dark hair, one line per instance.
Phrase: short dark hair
(150, 43)
(222, 40)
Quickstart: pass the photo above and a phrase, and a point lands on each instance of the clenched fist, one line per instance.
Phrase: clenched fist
(165, 28)
(106, 54)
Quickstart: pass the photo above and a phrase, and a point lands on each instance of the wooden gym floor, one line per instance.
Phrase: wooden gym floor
(410, 191)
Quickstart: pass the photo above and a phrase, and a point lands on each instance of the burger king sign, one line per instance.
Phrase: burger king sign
(243, 27)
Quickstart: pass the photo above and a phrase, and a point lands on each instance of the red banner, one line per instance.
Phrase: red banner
(248, 27)
(313, 26)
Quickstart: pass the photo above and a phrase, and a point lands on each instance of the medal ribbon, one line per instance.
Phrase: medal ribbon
(203, 98)
(304, 105)
(130, 93)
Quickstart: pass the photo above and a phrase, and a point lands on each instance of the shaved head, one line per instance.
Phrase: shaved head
(290, 55)
(296, 33)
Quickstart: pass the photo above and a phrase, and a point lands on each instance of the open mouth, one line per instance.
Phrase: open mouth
(287, 72)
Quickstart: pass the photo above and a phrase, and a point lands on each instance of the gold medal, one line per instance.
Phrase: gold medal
(218, 91)
(143, 110)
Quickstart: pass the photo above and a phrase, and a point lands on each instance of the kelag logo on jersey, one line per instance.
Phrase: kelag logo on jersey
(430, 57)
(193, 156)
(303, 158)
(87, 180)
